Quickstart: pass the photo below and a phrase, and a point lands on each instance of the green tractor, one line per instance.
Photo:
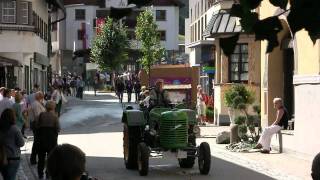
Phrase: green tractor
(162, 130)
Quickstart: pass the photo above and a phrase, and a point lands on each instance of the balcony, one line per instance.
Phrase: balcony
(15, 27)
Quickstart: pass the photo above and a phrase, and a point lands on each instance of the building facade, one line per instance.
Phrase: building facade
(79, 29)
(208, 22)
(291, 72)
(23, 44)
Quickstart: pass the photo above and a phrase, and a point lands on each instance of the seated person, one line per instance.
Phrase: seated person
(158, 96)
(280, 122)
(66, 162)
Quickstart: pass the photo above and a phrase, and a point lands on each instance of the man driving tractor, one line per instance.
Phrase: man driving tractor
(159, 96)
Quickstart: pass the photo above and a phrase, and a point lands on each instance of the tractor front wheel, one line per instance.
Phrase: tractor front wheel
(143, 159)
(204, 159)
(130, 142)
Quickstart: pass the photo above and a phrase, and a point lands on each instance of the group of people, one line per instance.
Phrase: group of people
(71, 85)
(130, 86)
(19, 111)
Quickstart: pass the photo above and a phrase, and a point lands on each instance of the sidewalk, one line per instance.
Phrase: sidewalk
(279, 166)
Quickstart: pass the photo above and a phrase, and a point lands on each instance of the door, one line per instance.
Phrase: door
(2, 76)
(288, 71)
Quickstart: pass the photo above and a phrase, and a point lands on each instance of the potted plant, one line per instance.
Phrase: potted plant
(210, 114)
(237, 99)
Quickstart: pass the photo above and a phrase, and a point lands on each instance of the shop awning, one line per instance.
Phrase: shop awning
(221, 24)
(41, 59)
(178, 86)
(9, 62)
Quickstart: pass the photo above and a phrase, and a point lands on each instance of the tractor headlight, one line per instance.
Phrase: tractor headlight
(196, 129)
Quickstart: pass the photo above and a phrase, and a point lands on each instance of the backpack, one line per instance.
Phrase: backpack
(3, 154)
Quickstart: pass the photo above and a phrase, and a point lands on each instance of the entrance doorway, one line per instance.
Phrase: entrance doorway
(288, 89)
(2, 76)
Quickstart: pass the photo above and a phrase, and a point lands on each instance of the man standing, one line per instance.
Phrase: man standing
(120, 88)
(36, 109)
(129, 88)
(80, 86)
(137, 90)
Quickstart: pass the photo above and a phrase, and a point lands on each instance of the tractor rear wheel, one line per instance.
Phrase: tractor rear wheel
(204, 159)
(130, 142)
(143, 159)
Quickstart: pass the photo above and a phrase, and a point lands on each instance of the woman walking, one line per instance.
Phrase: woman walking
(18, 111)
(201, 106)
(11, 140)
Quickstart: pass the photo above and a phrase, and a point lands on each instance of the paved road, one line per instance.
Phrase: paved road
(94, 125)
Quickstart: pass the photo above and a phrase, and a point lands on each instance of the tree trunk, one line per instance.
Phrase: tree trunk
(234, 137)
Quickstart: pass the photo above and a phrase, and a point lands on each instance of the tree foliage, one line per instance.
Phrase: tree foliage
(149, 38)
(302, 14)
(110, 46)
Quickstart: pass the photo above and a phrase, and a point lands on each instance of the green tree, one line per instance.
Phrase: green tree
(110, 46)
(149, 38)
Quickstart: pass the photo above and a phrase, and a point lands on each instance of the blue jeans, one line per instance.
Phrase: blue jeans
(9, 172)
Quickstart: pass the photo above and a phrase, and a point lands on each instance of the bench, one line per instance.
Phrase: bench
(280, 141)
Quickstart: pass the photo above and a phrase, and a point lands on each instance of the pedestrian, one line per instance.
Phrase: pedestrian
(201, 106)
(58, 97)
(95, 85)
(47, 131)
(6, 102)
(37, 108)
(17, 108)
(24, 106)
(120, 89)
(137, 90)
(66, 162)
(12, 95)
(80, 86)
(129, 88)
(11, 142)
(73, 87)
(315, 170)
(145, 102)
(280, 122)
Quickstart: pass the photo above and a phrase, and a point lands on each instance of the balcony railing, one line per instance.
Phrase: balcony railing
(15, 27)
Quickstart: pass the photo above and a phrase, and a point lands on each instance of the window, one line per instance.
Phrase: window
(9, 12)
(24, 13)
(162, 35)
(80, 14)
(161, 15)
(80, 34)
(238, 64)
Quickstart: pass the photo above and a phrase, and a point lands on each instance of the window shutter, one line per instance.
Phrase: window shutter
(30, 16)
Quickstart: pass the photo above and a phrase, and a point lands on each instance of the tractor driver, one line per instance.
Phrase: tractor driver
(158, 96)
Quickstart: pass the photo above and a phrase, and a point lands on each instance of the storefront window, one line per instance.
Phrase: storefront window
(239, 64)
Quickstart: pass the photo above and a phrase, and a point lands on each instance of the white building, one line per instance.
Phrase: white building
(23, 43)
(78, 30)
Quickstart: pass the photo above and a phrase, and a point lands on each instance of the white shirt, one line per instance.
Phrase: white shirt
(1, 97)
(36, 109)
(146, 101)
(4, 104)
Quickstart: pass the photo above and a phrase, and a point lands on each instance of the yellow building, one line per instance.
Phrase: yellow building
(291, 72)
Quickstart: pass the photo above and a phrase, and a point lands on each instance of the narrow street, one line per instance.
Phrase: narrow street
(94, 125)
